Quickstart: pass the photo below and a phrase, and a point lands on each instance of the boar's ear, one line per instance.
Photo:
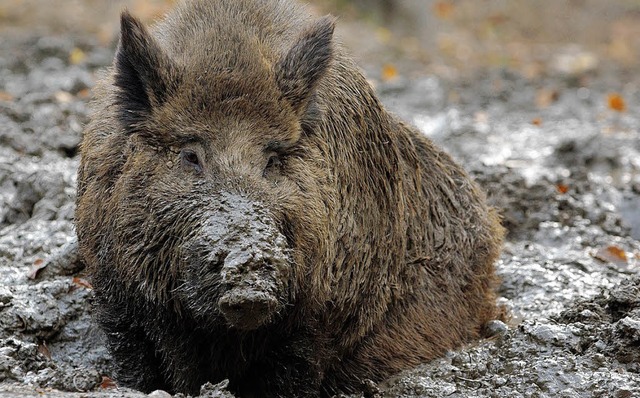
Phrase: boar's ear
(300, 70)
(141, 71)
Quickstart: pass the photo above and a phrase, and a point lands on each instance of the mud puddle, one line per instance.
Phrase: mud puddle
(565, 173)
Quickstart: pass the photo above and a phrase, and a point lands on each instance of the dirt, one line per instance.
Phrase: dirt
(549, 148)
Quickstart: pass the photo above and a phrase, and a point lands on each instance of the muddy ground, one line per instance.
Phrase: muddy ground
(557, 150)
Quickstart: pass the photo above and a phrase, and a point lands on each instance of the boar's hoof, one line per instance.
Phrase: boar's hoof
(247, 309)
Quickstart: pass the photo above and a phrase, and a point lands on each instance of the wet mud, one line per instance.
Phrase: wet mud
(564, 172)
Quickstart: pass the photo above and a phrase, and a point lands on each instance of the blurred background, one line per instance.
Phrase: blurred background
(446, 37)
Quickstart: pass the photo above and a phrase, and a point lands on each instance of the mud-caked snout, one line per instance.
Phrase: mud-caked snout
(238, 265)
(256, 281)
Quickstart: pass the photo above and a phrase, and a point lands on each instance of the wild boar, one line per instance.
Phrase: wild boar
(249, 211)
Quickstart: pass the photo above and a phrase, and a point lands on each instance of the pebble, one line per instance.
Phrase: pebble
(496, 328)
(159, 394)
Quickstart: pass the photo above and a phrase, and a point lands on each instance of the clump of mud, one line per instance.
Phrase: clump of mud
(565, 174)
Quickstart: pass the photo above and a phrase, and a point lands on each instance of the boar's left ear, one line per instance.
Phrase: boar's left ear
(300, 70)
(142, 71)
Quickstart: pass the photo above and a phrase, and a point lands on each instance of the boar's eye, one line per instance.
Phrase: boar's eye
(189, 158)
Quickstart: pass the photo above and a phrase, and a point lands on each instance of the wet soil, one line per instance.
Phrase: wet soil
(559, 162)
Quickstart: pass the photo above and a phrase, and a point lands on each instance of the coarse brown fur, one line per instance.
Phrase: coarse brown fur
(390, 244)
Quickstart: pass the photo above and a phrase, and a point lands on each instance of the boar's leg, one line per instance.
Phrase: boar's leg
(293, 369)
(134, 353)
(192, 356)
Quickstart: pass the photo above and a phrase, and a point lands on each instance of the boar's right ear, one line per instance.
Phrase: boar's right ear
(300, 70)
(141, 71)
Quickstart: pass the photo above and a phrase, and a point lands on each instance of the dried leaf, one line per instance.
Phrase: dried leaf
(77, 56)
(84, 93)
(82, 283)
(107, 383)
(443, 9)
(44, 350)
(5, 96)
(612, 254)
(389, 72)
(37, 265)
(546, 97)
(562, 188)
(536, 121)
(616, 102)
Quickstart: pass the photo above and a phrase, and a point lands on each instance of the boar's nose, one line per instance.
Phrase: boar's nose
(255, 268)
(237, 262)
(255, 278)
(247, 309)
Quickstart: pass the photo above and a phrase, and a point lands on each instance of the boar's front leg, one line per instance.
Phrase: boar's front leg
(294, 369)
(134, 353)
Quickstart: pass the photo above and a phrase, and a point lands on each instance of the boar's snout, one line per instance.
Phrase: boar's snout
(242, 268)
(255, 275)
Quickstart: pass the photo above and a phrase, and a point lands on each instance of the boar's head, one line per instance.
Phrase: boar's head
(218, 204)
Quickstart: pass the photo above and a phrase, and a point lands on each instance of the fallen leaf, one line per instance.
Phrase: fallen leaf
(443, 9)
(37, 265)
(389, 72)
(44, 350)
(616, 102)
(107, 383)
(82, 283)
(612, 254)
(84, 93)
(5, 96)
(76, 56)
(562, 188)
(536, 121)
(546, 97)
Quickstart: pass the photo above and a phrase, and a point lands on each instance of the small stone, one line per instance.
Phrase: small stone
(496, 328)
(599, 359)
(63, 97)
(159, 394)
(499, 381)
(552, 334)
(219, 390)
(588, 314)
(83, 380)
(370, 389)
(628, 328)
